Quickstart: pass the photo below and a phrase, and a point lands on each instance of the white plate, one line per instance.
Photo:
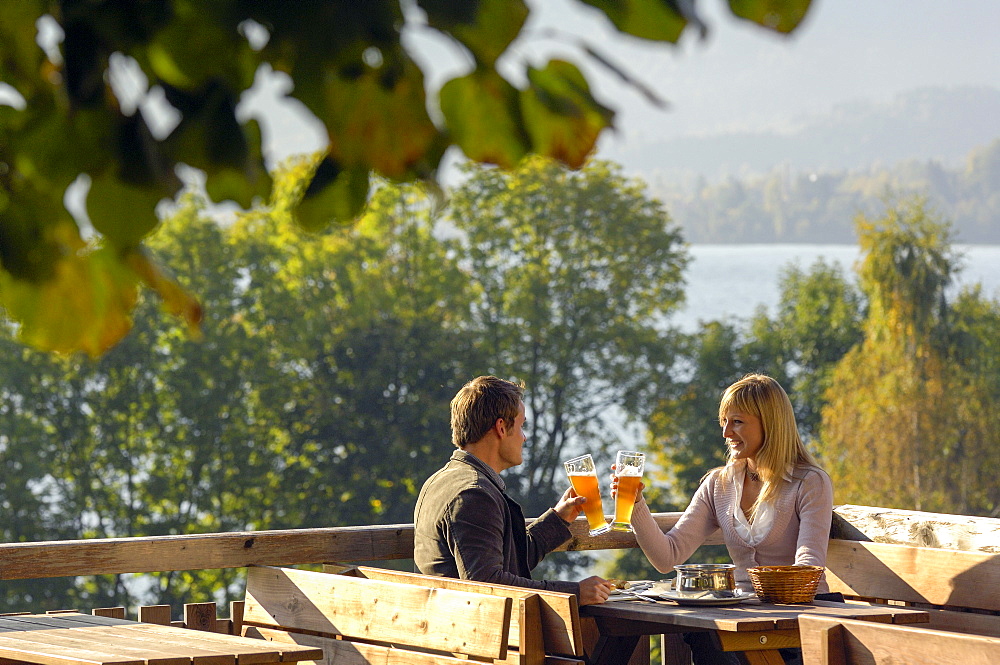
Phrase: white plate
(705, 601)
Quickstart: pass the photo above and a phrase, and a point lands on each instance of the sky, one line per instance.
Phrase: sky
(745, 78)
(740, 78)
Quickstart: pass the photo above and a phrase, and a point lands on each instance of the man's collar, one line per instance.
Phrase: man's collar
(472, 460)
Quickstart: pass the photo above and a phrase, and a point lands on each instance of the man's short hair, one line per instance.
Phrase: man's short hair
(478, 406)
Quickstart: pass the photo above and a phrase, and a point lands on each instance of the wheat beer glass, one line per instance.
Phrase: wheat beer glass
(628, 469)
(583, 476)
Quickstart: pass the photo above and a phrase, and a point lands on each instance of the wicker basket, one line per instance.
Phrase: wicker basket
(785, 584)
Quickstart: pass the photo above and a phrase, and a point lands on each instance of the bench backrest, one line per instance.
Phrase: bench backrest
(542, 622)
(914, 574)
(379, 621)
(832, 641)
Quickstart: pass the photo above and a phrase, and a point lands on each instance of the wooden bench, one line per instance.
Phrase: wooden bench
(358, 621)
(832, 641)
(957, 588)
(544, 626)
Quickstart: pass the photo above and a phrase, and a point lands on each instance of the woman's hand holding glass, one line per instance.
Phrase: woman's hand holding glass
(626, 484)
(614, 486)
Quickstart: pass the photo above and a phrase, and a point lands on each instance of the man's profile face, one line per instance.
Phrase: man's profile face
(512, 444)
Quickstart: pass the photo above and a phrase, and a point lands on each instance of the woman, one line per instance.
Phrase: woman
(771, 500)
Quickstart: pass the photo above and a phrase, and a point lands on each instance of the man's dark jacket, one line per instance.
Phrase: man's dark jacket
(467, 527)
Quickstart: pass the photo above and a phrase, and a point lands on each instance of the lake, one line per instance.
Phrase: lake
(730, 281)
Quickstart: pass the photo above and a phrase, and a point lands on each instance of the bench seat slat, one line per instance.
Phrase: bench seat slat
(559, 614)
(440, 619)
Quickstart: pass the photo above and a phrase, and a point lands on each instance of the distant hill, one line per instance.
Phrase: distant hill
(939, 124)
(803, 205)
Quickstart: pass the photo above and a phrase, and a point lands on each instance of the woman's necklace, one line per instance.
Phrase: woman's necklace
(753, 475)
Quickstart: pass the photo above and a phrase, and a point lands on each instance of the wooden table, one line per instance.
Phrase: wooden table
(759, 629)
(81, 639)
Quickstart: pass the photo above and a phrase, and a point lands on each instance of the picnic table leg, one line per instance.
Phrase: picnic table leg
(602, 649)
(769, 657)
(613, 650)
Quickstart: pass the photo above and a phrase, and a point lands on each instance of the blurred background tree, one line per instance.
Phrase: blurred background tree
(576, 272)
(903, 420)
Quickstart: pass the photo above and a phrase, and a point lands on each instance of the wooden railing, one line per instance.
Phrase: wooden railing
(37, 560)
(290, 547)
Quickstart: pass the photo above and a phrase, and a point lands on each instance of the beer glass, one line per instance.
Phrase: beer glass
(628, 469)
(583, 476)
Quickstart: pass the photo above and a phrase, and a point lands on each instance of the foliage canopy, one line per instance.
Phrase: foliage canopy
(319, 393)
(350, 68)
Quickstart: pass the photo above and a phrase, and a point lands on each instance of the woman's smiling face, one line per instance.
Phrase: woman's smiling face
(744, 433)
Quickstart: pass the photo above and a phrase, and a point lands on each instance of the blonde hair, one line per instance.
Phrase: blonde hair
(782, 448)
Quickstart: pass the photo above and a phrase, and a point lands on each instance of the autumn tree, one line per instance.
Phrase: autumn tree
(904, 410)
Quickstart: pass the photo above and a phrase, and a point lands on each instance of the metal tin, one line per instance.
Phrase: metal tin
(700, 580)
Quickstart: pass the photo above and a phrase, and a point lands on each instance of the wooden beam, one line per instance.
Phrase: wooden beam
(556, 616)
(920, 529)
(209, 551)
(212, 551)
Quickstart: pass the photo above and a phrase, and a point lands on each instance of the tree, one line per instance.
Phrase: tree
(350, 68)
(575, 271)
(368, 329)
(161, 435)
(906, 408)
(820, 316)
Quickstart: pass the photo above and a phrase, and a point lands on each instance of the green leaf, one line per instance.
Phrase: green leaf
(778, 15)
(333, 195)
(209, 134)
(484, 118)
(377, 117)
(661, 20)
(141, 159)
(45, 156)
(85, 306)
(246, 181)
(562, 118)
(122, 212)
(34, 232)
(23, 61)
(198, 47)
(486, 27)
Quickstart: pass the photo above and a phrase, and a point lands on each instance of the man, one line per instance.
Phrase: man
(465, 524)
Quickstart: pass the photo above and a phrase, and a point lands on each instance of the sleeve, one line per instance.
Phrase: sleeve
(544, 535)
(814, 505)
(666, 550)
(477, 540)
